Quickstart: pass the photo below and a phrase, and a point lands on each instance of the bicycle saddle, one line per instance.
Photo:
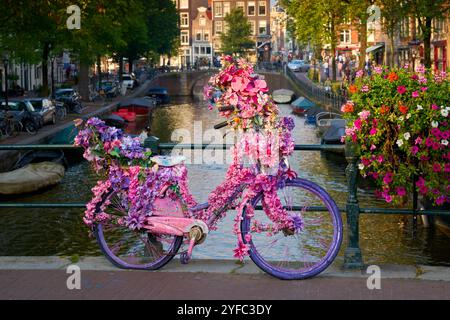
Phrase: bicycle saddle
(168, 161)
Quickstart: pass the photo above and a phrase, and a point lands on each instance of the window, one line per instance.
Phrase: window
(218, 9)
(262, 8)
(262, 27)
(184, 19)
(345, 36)
(196, 50)
(184, 4)
(202, 50)
(252, 25)
(251, 8)
(184, 37)
(240, 5)
(198, 36)
(218, 27)
(206, 36)
(226, 8)
(208, 50)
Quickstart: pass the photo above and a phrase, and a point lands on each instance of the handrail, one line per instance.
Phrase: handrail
(352, 256)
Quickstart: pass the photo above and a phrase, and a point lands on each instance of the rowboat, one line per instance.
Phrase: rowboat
(334, 133)
(311, 115)
(140, 106)
(30, 178)
(301, 105)
(325, 119)
(283, 96)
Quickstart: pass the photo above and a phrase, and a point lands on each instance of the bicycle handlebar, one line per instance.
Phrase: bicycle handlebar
(221, 125)
(229, 108)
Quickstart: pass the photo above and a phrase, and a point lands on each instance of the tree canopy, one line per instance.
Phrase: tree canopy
(237, 38)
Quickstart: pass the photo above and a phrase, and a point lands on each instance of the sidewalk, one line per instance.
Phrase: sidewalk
(46, 278)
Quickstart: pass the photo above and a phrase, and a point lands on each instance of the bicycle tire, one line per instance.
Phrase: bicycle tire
(119, 262)
(284, 273)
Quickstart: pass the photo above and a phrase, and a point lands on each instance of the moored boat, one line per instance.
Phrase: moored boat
(283, 96)
(140, 106)
(334, 133)
(115, 120)
(325, 119)
(160, 94)
(30, 178)
(301, 105)
(36, 156)
(311, 115)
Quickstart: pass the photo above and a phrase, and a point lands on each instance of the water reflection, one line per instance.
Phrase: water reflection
(384, 239)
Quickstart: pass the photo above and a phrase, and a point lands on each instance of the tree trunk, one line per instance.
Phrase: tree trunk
(392, 53)
(120, 68)
(83, 81)
(99, 69)
(333, 48)
(427, 42)
(45, 55)
(130, 65)
(363, 42)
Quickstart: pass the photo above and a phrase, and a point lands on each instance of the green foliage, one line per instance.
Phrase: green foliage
(237, 39)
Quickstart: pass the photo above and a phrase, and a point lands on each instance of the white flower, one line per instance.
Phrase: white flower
(400, 142)
(434, 124)
(444, 142)
(407, 135)
(419, 107)
(401, 118)
(408, 116)
(361, 166)
(447, 108)
(444, 112)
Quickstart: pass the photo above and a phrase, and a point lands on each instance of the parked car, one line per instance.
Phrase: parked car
(46, 108)
(70, 98)
(24, 112)
(298, 66)
(127, 79)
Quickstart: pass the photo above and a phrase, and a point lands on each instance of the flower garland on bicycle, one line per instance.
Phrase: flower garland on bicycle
(265, 141)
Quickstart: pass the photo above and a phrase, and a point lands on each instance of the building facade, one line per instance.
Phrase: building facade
(258, 15)
(195, 33)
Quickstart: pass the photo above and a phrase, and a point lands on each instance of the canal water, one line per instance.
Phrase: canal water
(384, 238)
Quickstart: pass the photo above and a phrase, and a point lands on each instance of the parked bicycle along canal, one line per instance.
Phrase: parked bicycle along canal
(384, 238)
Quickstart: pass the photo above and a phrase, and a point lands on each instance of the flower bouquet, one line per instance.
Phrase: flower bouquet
(399, 120)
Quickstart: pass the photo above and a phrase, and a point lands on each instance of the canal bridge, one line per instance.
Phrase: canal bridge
(191, 83)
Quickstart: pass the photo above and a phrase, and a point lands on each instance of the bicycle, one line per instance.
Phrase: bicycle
(143, 213)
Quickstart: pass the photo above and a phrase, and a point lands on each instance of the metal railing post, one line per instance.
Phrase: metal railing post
(352, 256)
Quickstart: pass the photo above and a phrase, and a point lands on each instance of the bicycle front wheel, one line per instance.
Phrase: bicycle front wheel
(127, 248)
(295, 255)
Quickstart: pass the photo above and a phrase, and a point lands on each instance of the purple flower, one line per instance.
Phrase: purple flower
(414, 150)
(297, 222)
(401, 191)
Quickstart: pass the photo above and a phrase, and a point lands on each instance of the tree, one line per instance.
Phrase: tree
(237, 39)
(316, 22)
(425, 11)
(392, 13)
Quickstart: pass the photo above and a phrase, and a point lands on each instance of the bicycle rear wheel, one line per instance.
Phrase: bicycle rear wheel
(131, 249)
(301, 255)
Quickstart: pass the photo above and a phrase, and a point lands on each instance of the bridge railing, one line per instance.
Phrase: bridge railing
(352, 256)
(328, 98)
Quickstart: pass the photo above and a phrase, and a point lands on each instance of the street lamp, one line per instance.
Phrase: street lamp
(5, 65)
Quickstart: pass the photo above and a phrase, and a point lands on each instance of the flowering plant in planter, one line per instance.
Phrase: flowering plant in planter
(399, 119)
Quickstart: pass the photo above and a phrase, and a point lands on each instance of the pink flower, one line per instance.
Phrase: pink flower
(401, 191)
(437, 167)
(414, 150)
(424, 88)
(415, 94)
(373, 132)
(434, 107)
(418, 140)
(357, 124)
(447, 167)
(401, 89)
(388, 178)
